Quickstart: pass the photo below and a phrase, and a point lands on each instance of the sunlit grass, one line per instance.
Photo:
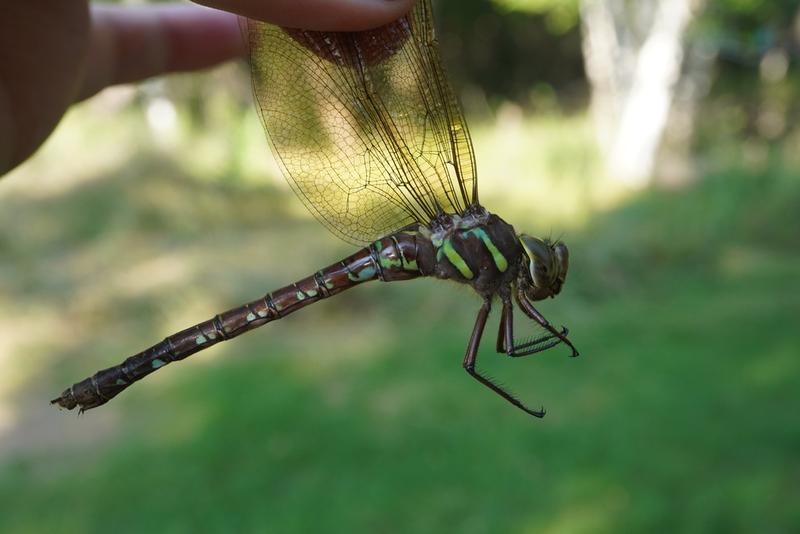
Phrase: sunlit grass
(355, 415)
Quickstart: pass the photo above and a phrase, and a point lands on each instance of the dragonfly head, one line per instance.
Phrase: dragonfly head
(546, 269)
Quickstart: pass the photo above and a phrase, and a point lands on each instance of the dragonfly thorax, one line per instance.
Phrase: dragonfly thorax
(477, 248)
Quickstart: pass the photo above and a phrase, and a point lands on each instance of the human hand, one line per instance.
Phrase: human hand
(54, 53)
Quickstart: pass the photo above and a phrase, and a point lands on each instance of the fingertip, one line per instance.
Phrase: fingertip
(200, 38)
(321, 15)
(129, 44)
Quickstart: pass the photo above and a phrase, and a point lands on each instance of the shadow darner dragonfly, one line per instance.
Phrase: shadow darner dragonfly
(370, 135)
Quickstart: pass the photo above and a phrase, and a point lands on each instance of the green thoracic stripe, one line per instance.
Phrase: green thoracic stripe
(446, 249)
(456, 259)
(499, 260)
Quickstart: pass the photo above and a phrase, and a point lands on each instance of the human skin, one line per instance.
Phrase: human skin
(54, 53)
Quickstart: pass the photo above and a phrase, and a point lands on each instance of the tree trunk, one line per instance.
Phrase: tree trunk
(633, 53)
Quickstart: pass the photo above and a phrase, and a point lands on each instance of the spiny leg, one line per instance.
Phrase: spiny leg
(471, 356)
(503, 339)
(534, 314)
(505, 336)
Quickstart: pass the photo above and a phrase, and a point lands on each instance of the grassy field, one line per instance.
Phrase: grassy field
(355, 415)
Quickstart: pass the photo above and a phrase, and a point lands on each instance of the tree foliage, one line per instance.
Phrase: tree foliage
(561, 15)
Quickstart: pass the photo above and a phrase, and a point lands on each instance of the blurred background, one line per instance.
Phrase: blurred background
(658, 138)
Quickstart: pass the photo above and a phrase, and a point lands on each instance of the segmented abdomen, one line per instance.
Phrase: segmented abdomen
(395, 257)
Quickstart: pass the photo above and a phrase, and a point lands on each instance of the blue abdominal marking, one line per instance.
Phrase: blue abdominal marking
(367, 273)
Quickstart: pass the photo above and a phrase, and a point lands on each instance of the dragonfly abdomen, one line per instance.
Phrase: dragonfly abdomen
(401, 256)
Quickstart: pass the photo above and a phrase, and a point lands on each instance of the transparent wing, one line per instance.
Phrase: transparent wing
(365, 125)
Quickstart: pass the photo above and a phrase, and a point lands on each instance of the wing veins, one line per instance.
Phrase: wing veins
(365, 126)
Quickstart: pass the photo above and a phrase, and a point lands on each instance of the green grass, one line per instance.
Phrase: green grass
(355, 415)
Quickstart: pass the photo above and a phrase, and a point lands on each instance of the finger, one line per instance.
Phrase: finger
(42, 50)
(328, 15)
(135, 43)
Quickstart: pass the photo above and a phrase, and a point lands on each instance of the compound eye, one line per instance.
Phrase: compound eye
(540, 273)
(540, 259)
(562, 255)
(536, 249)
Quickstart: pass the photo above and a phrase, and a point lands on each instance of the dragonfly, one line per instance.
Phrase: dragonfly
(370, 135)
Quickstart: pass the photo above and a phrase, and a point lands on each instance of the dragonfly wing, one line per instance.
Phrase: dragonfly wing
(365, 125)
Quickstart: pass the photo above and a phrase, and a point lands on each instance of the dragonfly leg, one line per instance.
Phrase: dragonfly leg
(472, 354)
(533, 313)
(505, 337)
